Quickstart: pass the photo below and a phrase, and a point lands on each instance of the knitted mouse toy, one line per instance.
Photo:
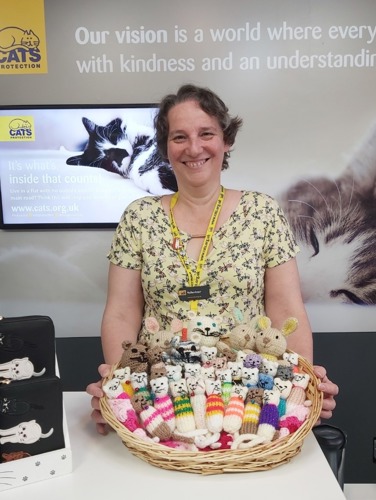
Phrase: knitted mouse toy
(159, 337)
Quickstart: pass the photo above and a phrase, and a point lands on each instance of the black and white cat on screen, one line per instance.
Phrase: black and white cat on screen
(334, 220)
(129, 150)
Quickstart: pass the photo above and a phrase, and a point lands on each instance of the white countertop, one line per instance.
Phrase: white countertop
(104, 468)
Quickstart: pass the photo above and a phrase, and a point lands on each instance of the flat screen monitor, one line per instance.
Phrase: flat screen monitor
(70, 166)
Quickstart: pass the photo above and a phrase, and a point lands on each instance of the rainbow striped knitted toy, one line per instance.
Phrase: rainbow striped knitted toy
(184, 417)
(234, 412)
(215, 408)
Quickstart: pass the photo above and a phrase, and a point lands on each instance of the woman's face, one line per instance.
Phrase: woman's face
(195, 145)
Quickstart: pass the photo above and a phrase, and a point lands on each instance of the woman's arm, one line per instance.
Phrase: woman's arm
(123, 313)
(283, 299)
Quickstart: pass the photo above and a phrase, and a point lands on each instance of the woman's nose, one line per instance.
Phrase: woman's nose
(194, 146)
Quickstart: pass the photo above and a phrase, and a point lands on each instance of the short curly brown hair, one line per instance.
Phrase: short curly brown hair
(208, 102)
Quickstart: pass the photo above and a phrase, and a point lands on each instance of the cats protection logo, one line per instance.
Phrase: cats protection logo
(17, 128)
(22, 37)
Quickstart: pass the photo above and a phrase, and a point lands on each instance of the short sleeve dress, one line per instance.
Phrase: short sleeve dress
(256, 236)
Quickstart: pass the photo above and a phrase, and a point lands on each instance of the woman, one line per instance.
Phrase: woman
(222, 248)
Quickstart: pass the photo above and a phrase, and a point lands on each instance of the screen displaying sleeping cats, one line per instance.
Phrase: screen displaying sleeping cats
(77, 166)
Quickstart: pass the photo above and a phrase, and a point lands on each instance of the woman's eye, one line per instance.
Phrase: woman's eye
(178, 138)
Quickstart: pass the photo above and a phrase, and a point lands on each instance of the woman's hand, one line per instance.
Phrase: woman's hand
(330, 390)
(95, 390)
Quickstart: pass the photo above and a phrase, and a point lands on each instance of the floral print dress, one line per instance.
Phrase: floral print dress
(256, 236)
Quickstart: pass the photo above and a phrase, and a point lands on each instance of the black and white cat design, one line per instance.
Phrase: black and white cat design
(128, 149)
(334, 222)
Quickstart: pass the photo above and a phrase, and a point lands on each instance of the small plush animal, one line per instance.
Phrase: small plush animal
(297, 395)
(242, 336)
(204, 330)
(207, 372)
(208, 355)
(250, 377)
(184, 416)
(225, 378)
(158, 370)
(252, 410)
(234, 411)
(265, 381)
(135, 356)
(284, 387)
(271, 342)
(196, 391)
(236, 370)
(139, 383)
(269, 416)
(253, 360)
(215, 408)
(174, 372)
(124, 375)
(162, 400)
(120, 403)
(269, 367)
(160, 337)
(192, 370)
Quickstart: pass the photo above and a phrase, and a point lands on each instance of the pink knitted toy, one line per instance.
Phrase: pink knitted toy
(297, 395)
(121, 405)
(162, 400)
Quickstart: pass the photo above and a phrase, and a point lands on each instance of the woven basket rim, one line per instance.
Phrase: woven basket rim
(260, 457)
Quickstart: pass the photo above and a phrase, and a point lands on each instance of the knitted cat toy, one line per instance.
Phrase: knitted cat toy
(215, 408)
(124, 375)
(162, 400)
(297, 395)
(192, 370)
(196, 390)
(184, 416)
(226, 384)
(158, 370)
(208, 355)
(252, 410)
(250, 377)
(234, 411)
(121, 405)
(139, 383)
(284, 387)
(236, 370)
(269, 416)
(153, 422)
(174, 372)
(271, 342)
(204, 330)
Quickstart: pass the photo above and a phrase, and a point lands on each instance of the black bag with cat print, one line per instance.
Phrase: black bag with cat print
(31, 417)
(31, 337)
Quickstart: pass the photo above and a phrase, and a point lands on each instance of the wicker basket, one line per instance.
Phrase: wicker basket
(260, 457)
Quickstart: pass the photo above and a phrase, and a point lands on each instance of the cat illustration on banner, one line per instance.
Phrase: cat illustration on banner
(26, 432)
(13, 37)
(128, 149)
(334, 222)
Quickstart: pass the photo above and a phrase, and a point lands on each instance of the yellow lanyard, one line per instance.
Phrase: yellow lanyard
(194, 278)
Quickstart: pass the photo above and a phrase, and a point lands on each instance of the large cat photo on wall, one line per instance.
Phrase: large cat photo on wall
(334, 222)
(127, 149)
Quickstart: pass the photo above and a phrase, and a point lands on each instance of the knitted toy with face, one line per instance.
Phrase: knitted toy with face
(226, 384)
(284, 387)
(234, 411)
(242, 336)
(270, 342)
(215, 408)
(252, 410)
(196, 390)
(139, 382)
(159, 337)
(134, 356)
(121, 405)
(162, 400)
(208, 355)
(158, 370)
(184, 416)
(174, 372)
(124, 375)
(269, 416)
(204, 330)
(297, 395)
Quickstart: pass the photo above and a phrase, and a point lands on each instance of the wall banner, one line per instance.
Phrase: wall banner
(22, 37)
